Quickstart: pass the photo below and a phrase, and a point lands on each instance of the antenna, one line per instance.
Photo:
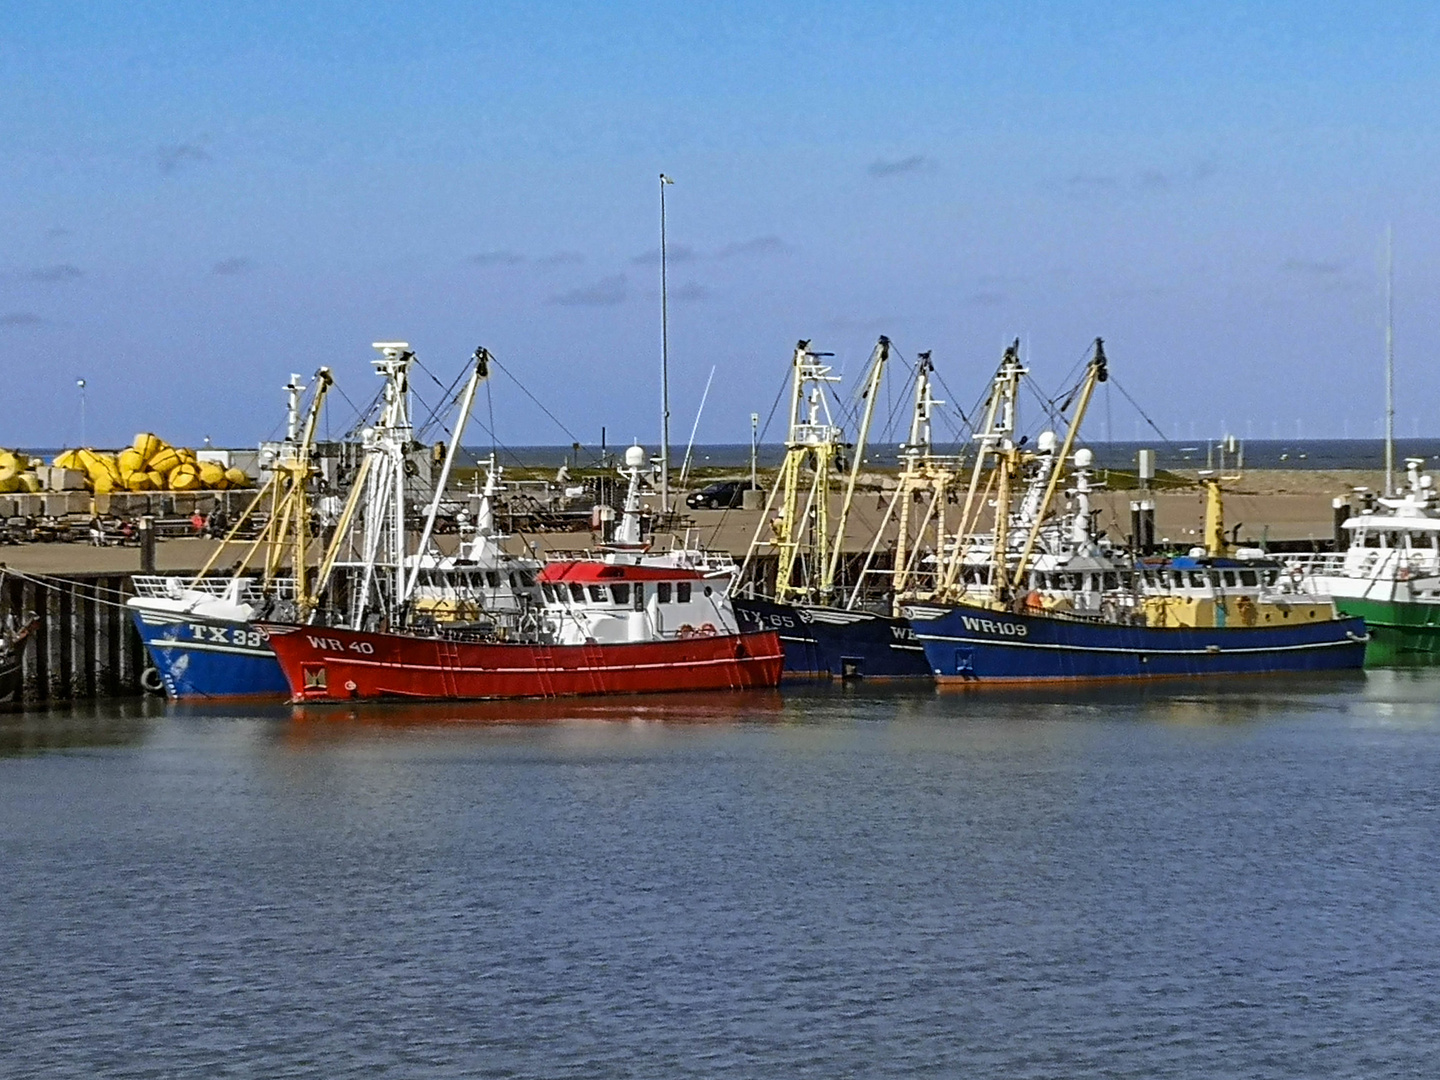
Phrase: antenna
(1389, 360)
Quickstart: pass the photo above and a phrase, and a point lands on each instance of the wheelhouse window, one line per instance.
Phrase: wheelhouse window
(1249, 577)
(682, 592)
(639, 596)
(597, 594)
(1227, 577)
(577, 593)
(1369, 539)
(549, 592)
(662, 592)
(492, 578)
(621, 593)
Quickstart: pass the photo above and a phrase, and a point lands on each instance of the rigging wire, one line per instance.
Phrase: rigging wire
(554, 419)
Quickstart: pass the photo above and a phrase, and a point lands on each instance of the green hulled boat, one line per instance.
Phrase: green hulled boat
(1389, 573)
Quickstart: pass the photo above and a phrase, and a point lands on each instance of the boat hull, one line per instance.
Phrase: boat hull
(1401, 634)
(830, 643)
(329, 664)
(973, 646)
(203, 658)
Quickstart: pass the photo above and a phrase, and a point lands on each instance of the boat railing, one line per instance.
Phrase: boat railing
(170, 586)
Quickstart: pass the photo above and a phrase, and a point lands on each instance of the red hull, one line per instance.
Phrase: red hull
(327, 664)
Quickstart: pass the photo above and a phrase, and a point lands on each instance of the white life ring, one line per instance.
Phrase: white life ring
(151, 682)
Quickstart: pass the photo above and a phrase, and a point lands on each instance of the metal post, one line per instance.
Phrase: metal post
(147, 544)
(664, 360)
(1389, 361)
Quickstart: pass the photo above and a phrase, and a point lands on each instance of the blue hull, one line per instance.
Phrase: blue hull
(827, 643)
(201, 658)
(976, 645)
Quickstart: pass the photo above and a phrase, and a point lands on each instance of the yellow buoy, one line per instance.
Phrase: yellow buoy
(157, 480)
(147, 445)
(163, 460)
(129, 460)
(68, 459)
(211, 473)
(29, 482)
(237, 478)
(184, 477)
(138, 480)
(103, 485)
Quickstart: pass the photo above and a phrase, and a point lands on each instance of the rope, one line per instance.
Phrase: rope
(65, 585)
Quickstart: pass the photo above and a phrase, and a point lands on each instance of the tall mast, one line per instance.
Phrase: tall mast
(993, 436)
(1389, 361)
(1094, 373)
(664, 360)
(467, 399)
(871, 393)
(813, 440)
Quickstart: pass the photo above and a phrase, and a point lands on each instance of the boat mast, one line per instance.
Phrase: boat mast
(920, 471)
(1389, 361)
(664, 361)
(813, 441)
(871, 392)
(1095, 373)
(992, 439)
(285, 490)
(467, 399)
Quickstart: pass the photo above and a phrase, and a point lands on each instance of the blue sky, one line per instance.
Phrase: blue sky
(199, 199)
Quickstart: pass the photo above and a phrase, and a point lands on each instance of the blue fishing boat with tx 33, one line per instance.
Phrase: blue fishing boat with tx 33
(199, 653)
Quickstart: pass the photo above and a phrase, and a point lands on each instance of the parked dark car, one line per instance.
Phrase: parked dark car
(726, 495)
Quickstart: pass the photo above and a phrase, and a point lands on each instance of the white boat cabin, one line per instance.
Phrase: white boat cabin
(588, 601)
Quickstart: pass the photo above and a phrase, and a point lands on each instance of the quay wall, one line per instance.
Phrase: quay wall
(84, 644)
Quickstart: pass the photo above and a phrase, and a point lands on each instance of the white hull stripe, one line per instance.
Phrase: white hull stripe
(204, 646)
(1217, 651)
(457, 669)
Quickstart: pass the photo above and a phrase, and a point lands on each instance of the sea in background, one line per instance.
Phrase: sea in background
(1315, 454)
(1179, 881)
(1258, 454)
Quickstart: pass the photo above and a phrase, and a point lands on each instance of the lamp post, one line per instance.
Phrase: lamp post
(81, 384)
(664, 361)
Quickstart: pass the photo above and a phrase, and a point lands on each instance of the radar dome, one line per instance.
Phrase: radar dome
(636, 458)
(1046, 442)
(1083, 458)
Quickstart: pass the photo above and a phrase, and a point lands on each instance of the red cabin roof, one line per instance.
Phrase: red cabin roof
(583, 571)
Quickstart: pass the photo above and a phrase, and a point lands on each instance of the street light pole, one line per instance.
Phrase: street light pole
(81, 384)
(664, 361)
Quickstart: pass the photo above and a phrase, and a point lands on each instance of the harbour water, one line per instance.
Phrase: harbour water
(1167, 881)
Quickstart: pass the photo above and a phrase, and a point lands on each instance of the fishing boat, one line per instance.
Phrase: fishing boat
(623, 621)
(610, 628)
(1388, 571)
(1072, 609)
(826, 634)
(200, 632)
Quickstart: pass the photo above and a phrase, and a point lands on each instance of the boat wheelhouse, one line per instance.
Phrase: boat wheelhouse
(1388, 572)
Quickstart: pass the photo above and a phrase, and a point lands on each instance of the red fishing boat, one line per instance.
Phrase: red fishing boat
(609, 627)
